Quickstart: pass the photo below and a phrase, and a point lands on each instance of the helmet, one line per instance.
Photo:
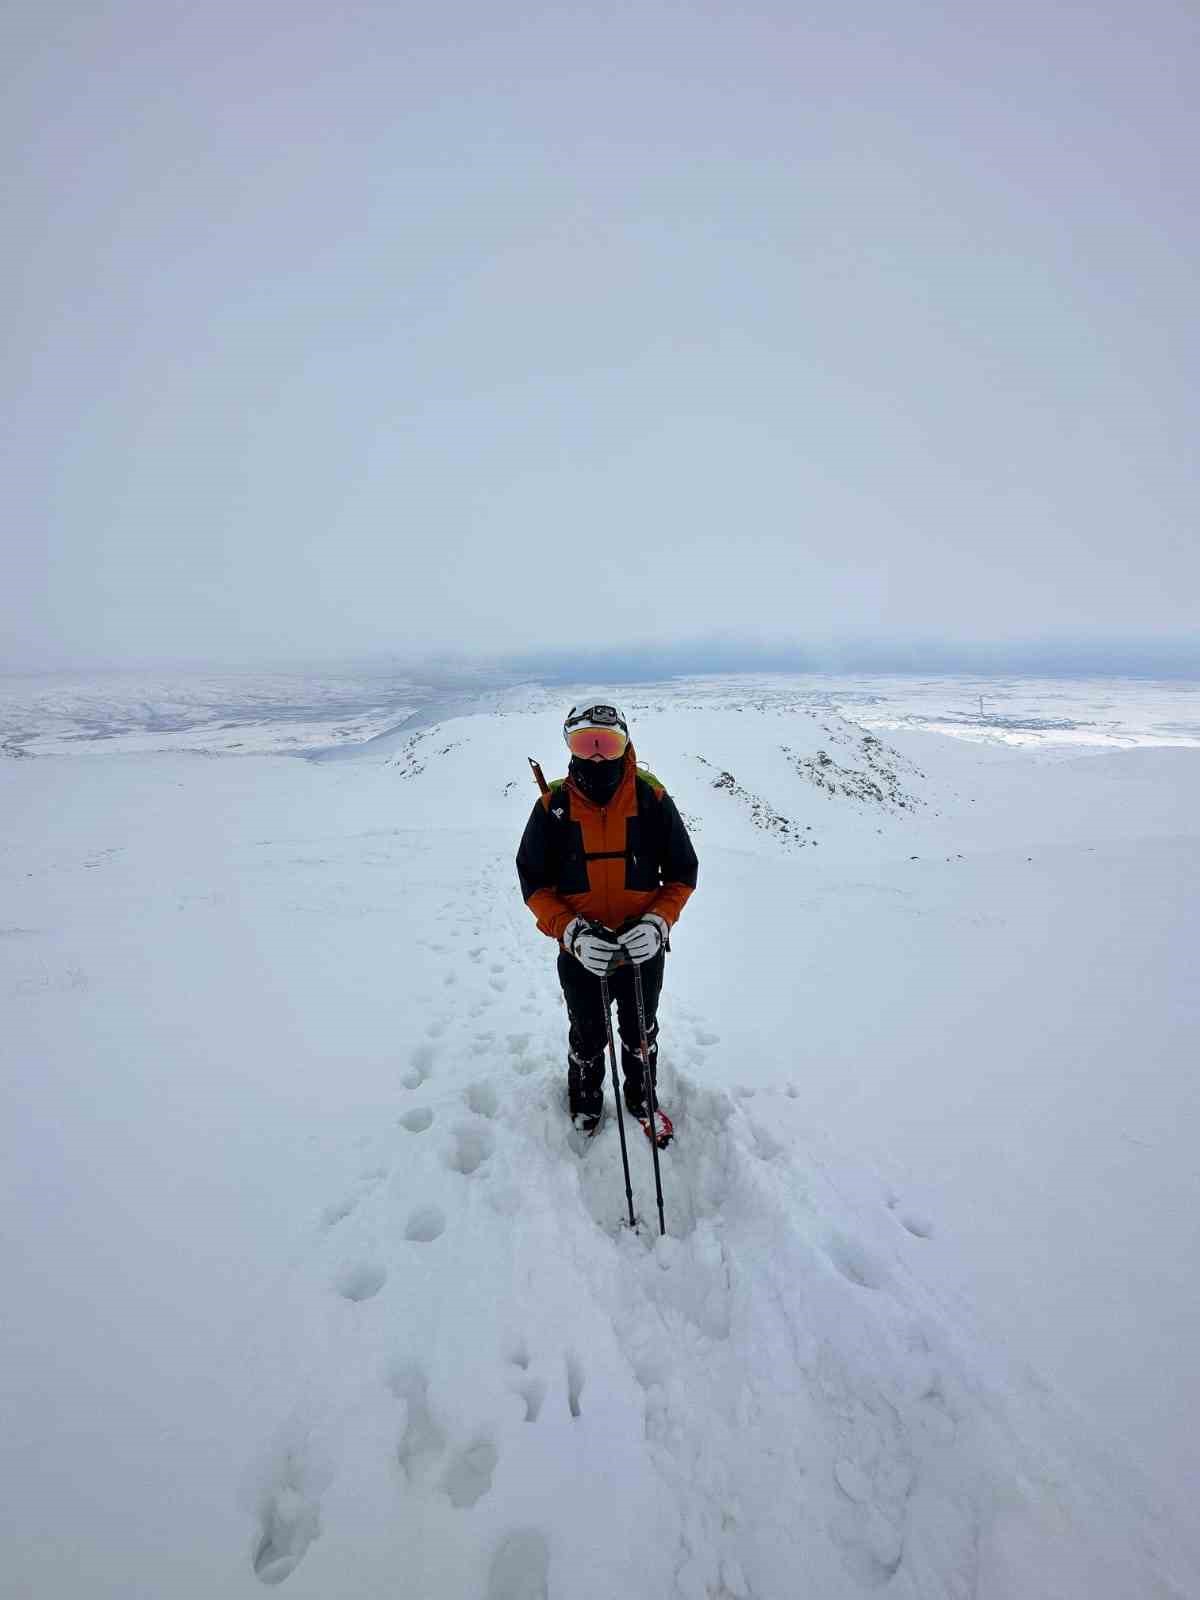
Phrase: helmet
(595, 711)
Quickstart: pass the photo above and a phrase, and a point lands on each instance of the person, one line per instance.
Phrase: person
(606, 866)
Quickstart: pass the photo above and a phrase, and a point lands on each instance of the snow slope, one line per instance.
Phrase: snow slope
(312, 1286)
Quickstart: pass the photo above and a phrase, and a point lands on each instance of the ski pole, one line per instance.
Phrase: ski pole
(648, 1082)
(605, 1001)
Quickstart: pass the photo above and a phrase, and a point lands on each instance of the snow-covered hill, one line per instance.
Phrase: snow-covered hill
(314, 1287)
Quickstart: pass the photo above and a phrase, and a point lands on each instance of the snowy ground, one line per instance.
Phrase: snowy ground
(228, 712)
(308, 1283)
(219, 712)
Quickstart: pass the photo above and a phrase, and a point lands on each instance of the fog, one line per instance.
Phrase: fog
(560, 329)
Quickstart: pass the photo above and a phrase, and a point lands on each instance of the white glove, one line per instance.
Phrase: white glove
(644, 940)
(596, 951)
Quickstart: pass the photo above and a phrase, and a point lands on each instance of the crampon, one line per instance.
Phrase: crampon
(666, 1128)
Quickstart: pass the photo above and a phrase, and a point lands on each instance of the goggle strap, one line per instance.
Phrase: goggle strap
(598, 716)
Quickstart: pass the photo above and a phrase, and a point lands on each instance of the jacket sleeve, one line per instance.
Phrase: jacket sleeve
(538, 876)
(680, 868)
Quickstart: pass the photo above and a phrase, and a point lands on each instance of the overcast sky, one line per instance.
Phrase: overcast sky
(492, 325)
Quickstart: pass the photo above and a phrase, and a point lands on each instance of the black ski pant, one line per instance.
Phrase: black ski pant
(588, 1038)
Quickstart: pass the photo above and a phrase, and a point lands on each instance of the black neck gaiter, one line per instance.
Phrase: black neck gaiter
(599, 780)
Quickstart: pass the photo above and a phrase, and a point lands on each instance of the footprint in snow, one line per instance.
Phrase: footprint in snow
(532, 1389)
(505, 1199)
(919, 1226)
(338, 1210)
(574, 1385)
(874, 1476)
(533, 1392)
(469, 1476)
(482, 1099)
(360, 1280)
(936, 1417)
(289, 1526)
(289, 1514)
(425, 1224)
(855, 1263)
(422, 1440)
(766, 1146)
(698, 1046)
(695, 1282)
(518, 1045)
(869, 1541)
(420, 1066)
(520, 1568)
(417, 1120)
(472, 1147)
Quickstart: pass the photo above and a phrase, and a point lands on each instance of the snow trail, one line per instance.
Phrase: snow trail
(328, 1265)
(770, 1388)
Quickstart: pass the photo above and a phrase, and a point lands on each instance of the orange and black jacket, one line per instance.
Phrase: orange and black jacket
(611, 863)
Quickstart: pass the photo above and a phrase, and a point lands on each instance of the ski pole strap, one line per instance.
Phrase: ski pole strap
(539, 775)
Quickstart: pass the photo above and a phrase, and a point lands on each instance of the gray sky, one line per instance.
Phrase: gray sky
(491, 324)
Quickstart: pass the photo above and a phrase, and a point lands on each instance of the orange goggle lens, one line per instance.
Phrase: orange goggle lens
(607, 743)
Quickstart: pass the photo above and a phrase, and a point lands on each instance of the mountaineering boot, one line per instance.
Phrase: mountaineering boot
(585, 1091)
(631, 1071)
(635, 1094)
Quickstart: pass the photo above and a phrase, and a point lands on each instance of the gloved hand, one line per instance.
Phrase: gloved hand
(645, 939)
(593, 947)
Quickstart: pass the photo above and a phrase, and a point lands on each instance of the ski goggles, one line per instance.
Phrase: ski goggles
(607, 743)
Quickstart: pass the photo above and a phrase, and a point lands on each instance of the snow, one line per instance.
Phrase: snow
(310, 1283)
(226, 712)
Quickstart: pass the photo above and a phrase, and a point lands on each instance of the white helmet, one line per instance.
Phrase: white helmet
(595, 711)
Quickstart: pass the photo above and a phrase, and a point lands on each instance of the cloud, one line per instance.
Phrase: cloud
(388, 331)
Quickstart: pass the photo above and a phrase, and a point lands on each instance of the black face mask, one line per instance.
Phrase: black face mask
(599, 780)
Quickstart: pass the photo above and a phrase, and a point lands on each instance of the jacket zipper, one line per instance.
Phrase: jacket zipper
(604, 837)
